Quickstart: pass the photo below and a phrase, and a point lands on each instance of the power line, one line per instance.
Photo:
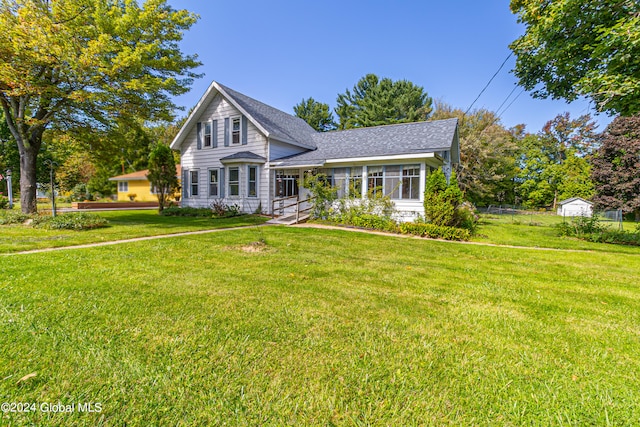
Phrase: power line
(508, 96)
(514, 100)
(487, 85)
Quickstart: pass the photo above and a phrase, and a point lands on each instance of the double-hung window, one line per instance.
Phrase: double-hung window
(234, 181)
(194, 181)
(123, 186)
(376, 180)
(235, 131)
(411, 182)
(253, 181)
(213, 183)
(355, 182)
(207, 134)
(392, 181)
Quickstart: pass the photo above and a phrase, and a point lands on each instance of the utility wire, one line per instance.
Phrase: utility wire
(487, 85)
(514, 100)
(508, 96)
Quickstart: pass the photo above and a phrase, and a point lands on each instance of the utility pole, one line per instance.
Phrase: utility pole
(52, 164)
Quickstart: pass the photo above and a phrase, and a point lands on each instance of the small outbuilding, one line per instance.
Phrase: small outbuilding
(575, 206)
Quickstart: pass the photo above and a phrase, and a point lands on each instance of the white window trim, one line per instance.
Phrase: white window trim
(229, 182)
(239, 119)
(204, 134)
(257, 180)
(217, 171)
(191, 172)
(123, 186)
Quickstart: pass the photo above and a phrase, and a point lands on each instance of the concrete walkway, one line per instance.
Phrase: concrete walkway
(302, 225)
(411, 236)
(135, 239)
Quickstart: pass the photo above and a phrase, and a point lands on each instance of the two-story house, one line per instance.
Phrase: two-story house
(236, 148)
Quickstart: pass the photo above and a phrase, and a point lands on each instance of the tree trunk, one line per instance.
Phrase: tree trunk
(28, 181)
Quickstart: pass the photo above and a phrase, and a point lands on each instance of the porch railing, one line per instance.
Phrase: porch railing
(282, 205)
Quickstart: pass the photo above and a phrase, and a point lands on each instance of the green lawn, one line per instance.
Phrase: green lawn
(122, 225)
(538, 230)
(291, 326)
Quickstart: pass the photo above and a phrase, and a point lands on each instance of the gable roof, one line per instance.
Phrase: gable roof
(139, 175)
(273, 123)
(573, 199)
(389, 140)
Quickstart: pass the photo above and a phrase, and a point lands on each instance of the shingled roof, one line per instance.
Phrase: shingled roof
(280, 125)
(390, 140)
(379, 141)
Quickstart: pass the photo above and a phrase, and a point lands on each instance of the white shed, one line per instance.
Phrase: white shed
(575, 206)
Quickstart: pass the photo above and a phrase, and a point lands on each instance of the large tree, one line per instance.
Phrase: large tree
(317, 114)
(574, 48)
(487, 155)
(616, 167)
(376, 101)
(86, 65)
(553, 162)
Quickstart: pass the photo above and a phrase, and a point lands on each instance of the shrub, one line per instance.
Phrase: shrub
(592, 230)
(435, 231)
(187, 212)
(13, 217)
(374, 222)
(70, 221)
(4, 202)
(217, 209)
(323, 193)
(444, 203)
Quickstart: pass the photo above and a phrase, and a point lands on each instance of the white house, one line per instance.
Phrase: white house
(575, 206)
(248, 153)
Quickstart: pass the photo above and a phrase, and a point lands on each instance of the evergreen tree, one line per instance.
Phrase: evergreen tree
(376, 102)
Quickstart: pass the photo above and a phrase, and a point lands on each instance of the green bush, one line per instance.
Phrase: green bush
(217, 209)
(70, 221)
(434, 231)
(4, 202)
(374, 222)
(444, 203)
(187, 211)
(13, 217)
(592, 230)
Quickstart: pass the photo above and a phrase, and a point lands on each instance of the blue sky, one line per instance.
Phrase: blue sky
(280, 52)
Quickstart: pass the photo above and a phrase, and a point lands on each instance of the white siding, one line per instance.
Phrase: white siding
(209, 157)
(278, 150)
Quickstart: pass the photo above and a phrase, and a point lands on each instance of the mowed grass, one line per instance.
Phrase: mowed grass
(122, 225)
(540, 230)
(291, 326)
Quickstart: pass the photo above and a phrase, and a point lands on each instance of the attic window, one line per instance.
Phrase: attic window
(207, 134)
(235, 131)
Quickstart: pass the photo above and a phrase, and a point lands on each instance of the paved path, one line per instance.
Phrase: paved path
(135, 239)
(304, 225)
(410, 236)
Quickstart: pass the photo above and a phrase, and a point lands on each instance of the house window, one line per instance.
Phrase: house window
(287, 182)
(355, 182)
(213, 182)
(207, 134)
(123, 186)
(376, 180)
(411, 182)
(340, 181)
(235, 131)
(253, 181)
(392, 181)
(234, 181)
(193, 175)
